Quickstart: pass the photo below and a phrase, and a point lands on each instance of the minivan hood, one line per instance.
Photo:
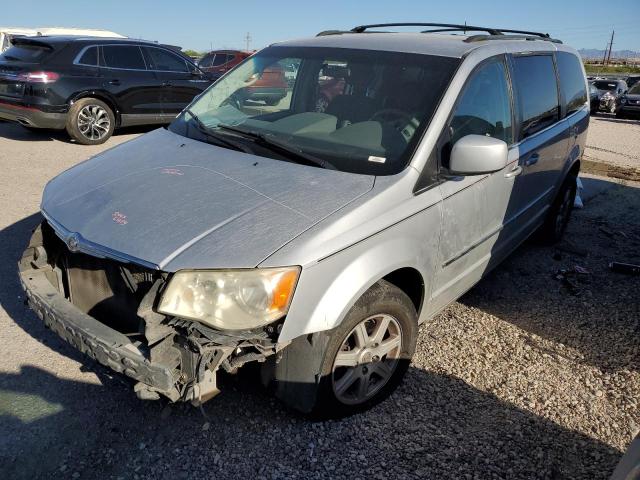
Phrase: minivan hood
(175, 203)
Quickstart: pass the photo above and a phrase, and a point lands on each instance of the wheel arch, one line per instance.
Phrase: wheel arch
(98, 95)
(411, 282)
(327, 290)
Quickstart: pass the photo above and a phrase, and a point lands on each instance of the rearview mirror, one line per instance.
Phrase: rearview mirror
(478, 154)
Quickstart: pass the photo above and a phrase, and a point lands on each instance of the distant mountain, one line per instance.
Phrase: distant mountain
(598, 54)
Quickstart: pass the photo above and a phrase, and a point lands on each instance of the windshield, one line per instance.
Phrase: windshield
(635, 90)
(359, 111)
(605, 85)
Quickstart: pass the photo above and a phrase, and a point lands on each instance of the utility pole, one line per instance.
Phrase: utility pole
(610, 46)
(247, 40)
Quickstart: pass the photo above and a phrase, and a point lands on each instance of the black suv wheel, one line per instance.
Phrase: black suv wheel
(90, 121)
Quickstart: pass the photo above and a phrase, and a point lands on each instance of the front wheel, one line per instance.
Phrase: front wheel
(90, 121)
(369, 353)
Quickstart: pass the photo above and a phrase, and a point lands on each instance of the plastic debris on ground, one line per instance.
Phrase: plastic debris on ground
(577, 203)
(627, 268)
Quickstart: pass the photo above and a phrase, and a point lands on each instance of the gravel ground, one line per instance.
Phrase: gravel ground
(614, 141)
(519, 379)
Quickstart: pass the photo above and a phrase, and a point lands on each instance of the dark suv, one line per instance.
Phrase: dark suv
(91, 86)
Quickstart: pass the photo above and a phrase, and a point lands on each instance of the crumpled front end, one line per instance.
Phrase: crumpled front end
(106, 310)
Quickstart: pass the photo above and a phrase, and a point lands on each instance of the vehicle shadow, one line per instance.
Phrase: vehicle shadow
(434, 426)
(15, 131)
(596, 313)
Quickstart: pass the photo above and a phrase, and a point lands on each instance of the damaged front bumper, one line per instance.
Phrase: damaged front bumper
(167, 356)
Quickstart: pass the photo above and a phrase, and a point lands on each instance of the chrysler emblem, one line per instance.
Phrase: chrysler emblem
(73, 241)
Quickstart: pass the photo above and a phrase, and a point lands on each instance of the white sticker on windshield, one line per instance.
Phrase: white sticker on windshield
(373, 158)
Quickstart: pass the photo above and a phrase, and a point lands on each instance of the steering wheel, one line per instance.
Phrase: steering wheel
(400, 120)
(234, 100)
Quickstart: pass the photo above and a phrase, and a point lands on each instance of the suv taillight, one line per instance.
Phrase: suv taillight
(39, 77)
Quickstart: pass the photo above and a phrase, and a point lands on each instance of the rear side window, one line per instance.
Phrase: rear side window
(123, 56)
(220, 59)
(537, 92)
(26, 53)
(572, 81)
(485, 105)
(206, 61)
(166, 61)
(89, 57)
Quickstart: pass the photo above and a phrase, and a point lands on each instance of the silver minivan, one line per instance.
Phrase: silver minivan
(313, 236)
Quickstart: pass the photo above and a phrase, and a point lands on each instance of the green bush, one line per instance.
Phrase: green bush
(599, 69)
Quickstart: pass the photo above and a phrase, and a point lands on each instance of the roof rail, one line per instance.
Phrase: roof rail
(448, 26)
(331, 32)
(493, 33)
(481, 38)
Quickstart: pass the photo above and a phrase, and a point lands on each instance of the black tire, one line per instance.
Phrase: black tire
(382, 298)
(105, 117)
(559, 214)
(620, 114)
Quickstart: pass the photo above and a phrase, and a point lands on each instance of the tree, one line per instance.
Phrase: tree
(192, 53)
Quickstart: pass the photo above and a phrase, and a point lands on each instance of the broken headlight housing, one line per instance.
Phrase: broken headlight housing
(230, 299)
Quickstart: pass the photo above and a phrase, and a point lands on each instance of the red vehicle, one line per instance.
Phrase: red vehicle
(218, 62)
(270, 86)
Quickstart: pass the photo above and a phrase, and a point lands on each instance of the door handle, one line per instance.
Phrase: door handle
(532, 160)
(115, 81)
(167, 84)
(517, 170)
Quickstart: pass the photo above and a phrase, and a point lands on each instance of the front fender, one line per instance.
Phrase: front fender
(329, 288)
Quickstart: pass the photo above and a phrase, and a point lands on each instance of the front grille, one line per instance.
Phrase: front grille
(107, 290)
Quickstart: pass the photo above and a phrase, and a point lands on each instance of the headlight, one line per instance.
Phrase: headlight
(231, 299)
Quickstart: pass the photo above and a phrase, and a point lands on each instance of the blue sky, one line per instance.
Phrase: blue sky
(200, 24)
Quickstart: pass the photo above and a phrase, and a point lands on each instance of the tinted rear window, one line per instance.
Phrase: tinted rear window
(25, 53)
(220, 59)
(166, 61)
(206, 61)
(537, 92)
(123, 56)
(89, 57)
(572, 81)
(605, 85)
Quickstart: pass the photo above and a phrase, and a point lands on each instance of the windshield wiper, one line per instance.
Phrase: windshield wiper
(219, 139)
(288, 150)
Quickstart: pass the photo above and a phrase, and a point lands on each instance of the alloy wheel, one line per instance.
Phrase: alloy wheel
(367, 359)
(93, 122)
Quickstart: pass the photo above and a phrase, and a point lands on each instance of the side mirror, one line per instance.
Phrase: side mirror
(478, 154)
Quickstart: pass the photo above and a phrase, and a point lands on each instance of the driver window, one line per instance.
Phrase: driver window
(485, 106)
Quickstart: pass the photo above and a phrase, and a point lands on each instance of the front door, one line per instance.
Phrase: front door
(125, 76)
(479, 212)
(180, 81)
